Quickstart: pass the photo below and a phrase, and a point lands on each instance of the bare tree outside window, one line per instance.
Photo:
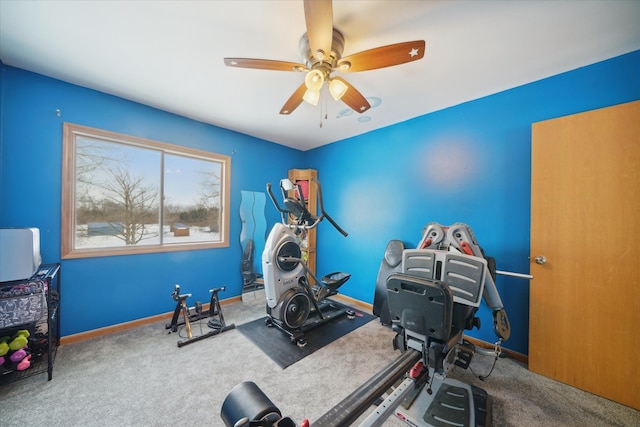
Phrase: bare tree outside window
(128, 195)
(136, 205)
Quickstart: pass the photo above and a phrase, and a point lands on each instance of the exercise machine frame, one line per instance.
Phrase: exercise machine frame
(293, 305)
(414, 386)
(216, 321)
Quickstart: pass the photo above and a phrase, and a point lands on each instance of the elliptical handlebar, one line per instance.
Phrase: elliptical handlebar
(275, 202)
(311, 220)
(325, 214)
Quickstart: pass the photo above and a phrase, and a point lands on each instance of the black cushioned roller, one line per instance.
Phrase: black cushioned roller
(247, 400)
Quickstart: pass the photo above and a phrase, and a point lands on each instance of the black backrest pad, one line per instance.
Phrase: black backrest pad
(420, 305)
(391, 263)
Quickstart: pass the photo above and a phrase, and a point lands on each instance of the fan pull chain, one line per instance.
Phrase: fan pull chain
(326, 108)
(323, 105)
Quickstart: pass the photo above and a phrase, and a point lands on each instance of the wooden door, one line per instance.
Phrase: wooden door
(585, 220)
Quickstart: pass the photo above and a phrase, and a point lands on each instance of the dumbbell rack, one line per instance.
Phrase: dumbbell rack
(51, 274)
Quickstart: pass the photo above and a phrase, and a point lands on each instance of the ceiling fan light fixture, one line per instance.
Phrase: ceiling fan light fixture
(314, 80)
(321, 47)
(312, 96)
(337, 88)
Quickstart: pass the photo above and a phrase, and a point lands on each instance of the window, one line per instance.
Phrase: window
(126, 195)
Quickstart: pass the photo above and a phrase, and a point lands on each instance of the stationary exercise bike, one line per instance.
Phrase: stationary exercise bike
(293, 305)
(216, 322)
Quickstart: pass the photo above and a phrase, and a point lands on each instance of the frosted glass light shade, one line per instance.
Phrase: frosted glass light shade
(311, 96)
(314, 80)
(337, 89)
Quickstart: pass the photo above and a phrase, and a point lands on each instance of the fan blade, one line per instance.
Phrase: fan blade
(264, 64)
(318, 15)
(353, 98)
(295, 100)
(384, 56)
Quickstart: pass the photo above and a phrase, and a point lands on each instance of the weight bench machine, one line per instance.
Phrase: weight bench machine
(193, 314)
(431, 302)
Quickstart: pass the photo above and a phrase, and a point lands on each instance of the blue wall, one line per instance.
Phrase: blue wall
(470, 163)
(98, 292)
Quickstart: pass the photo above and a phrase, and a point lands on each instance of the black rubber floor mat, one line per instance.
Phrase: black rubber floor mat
(279, 347)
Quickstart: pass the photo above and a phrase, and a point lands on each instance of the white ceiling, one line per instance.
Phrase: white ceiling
(169, 54)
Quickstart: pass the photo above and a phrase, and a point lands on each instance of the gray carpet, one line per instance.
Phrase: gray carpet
(140, 377)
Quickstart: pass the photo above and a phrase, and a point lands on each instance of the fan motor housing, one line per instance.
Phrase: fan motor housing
(337, 47)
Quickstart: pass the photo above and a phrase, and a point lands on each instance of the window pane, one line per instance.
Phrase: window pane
(192, 199)
(117, 195)
(127, 195)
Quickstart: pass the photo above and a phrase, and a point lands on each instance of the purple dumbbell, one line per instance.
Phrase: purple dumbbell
(18, 355)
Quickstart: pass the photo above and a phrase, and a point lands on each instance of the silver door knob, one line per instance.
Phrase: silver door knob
(540, 260)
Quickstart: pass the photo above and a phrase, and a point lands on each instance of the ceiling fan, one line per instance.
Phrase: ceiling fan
(321, 48)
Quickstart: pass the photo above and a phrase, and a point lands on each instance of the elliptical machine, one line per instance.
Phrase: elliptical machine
(293, 305)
